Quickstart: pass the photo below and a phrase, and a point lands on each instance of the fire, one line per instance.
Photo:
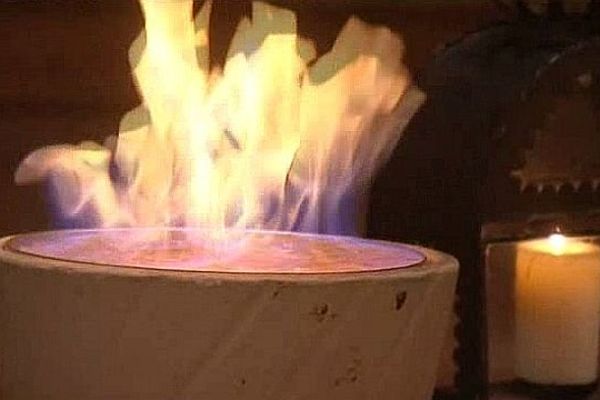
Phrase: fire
(278, 138)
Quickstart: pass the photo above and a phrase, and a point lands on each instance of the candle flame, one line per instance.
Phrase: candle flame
(558, 244)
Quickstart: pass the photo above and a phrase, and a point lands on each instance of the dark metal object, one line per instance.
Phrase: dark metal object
(473, 159)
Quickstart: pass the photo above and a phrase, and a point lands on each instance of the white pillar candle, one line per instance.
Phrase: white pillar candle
(557, 311)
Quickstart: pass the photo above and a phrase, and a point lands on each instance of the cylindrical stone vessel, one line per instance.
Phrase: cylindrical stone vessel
(156, 314)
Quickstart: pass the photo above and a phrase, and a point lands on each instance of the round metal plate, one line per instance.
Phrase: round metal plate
(184, 249)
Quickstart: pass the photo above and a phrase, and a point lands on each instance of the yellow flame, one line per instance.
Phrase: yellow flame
(268, 142)
(558, 243)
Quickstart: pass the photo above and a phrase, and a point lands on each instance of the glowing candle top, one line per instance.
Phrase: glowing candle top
(558, 244)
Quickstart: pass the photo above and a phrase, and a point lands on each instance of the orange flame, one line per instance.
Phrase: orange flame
(275, 140)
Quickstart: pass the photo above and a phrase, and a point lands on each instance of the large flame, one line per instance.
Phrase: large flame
(277, 139)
